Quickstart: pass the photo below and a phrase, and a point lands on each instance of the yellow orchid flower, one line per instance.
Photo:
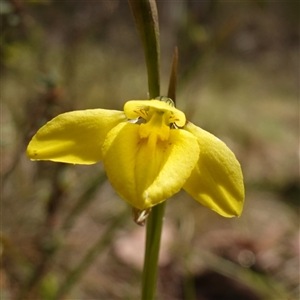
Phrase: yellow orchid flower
(149, 152)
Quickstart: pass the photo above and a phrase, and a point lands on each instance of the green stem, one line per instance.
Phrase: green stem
(146, 21)
(155, 219)
(153, 234)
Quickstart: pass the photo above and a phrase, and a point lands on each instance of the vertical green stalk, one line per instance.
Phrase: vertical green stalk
(146, 20)
(153, 234)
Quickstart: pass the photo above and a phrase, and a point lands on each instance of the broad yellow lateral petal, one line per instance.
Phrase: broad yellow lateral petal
(74, 137)
(144, 174)
(217, 180)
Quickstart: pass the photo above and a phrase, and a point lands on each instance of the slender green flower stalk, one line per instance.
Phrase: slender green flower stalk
(146, 20)
(155, 220)
(153, 236)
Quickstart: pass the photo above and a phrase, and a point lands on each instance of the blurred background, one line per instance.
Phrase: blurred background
(65, 232)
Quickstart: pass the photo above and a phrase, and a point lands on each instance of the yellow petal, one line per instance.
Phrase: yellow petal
(145, 174)
(217, 180)
(75, 137)
(138, 108)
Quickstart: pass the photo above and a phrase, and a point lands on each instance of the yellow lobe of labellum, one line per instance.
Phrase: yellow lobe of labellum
(148, 163)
